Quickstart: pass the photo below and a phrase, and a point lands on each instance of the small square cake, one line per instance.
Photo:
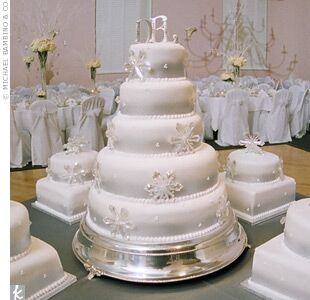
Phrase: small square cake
(257, 188)
(281, 267)
(64, 192)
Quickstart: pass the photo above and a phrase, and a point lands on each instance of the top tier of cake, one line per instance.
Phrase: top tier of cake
(19, 229)
(297, 227)
(160, 60)
(252, 167)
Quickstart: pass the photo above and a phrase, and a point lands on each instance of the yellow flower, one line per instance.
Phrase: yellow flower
(43, 45)
(41, 94)
(228, 76)
(28, 59)
(95, 63)
(237, 61)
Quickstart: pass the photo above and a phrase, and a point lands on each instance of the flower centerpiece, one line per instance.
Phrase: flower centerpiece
(93, 65)
(28, 60)
(42, 47)
(237, 62)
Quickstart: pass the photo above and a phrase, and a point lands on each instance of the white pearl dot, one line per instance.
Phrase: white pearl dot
(258, 180)
(95, 219)
(165, 66)
(157, 145)
(199, 225)
(208, 178)
(44, 275)
(248, 209)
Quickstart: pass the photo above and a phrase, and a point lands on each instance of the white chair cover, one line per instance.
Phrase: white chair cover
(108, 94)
(234, 119)
(45, 132)
(277, 123)
(299, 116)
(20, 153)
(89, 124)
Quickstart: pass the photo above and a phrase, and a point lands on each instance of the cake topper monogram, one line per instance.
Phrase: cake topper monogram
(152, 28)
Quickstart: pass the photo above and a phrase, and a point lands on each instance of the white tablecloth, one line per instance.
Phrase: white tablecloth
(214, 106)
(67, 117)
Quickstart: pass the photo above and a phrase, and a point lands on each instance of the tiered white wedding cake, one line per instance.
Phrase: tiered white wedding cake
(281, 267)
(156, 182)
(34, 263)
(256, 185)
(64, 192)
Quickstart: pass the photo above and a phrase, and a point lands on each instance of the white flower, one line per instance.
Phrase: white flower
(75, 145)
(230, 169)
(119, 224)
(186, 140)
(75, 173)
(222, 212)
(163, 187)
(97, 182)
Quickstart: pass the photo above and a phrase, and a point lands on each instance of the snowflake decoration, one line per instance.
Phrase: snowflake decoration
(163, 187)
(186, 139)
(280, 169)
(75, 173)
(230, 169)
(119, 224)
(251, 142)
(110, 134)
(137, 66)
(97, 182)
(75, 145)
(222, 212)
(48, 170)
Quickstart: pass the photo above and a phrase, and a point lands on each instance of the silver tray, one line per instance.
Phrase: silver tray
(158, 263)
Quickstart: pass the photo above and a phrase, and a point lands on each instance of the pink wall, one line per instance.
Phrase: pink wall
(288, 18)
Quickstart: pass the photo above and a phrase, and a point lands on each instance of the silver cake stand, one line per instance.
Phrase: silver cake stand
(157, 263)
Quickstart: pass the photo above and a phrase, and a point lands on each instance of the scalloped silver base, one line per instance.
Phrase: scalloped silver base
(160, 262)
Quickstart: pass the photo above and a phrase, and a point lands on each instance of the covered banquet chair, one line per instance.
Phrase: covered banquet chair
(277, 123)
(45, 133)
(108, 94)
(234, 118)
(20, 153)
(89, 124)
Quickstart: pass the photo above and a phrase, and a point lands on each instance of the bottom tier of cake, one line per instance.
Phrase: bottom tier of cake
(257, 202)
(279, 273)
(40, 272)
(65, 201)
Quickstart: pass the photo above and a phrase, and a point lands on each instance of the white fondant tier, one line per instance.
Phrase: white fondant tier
(257, 202)
(166, 60)
(253, 167)
(128, 174)
(65, 201)
(297, 228)
(154, 139)
(40, 271)
(279, 273)
(157, 97)
(152, 221)
(58, 162)
(19, 229)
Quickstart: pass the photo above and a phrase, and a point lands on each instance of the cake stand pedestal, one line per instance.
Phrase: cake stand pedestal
(157, 263)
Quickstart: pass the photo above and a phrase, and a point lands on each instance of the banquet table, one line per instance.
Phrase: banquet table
(224, 284)
(215, 106)
(67, 117)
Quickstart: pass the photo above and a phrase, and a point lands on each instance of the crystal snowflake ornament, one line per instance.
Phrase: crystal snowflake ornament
(222, 212)
(97, 182)
(75, 173)
(251, 142)
(110, 134)
(137, 66)
(163, 187)
(119, 223)
(230, 169)
(75, 145)
(186, 139)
